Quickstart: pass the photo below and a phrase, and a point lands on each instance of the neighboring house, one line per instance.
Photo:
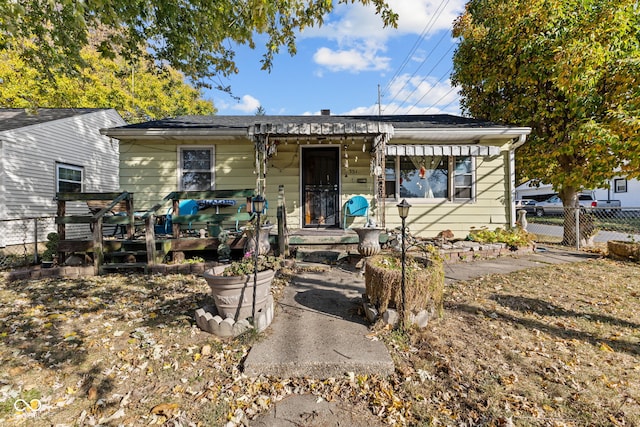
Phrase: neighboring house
(457, 173)
(47, 151)
(620, 188)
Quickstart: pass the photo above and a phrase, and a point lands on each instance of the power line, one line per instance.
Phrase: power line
(409, 55)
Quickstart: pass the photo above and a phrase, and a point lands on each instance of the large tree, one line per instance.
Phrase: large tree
(195, 37)
(570, 70)
(139, 91)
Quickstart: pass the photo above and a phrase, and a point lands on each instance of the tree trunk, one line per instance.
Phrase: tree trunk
(569, 197)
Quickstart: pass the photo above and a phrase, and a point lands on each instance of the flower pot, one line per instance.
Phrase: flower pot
(233, 295)
(368, 240)
(264, 246)
(47, 264)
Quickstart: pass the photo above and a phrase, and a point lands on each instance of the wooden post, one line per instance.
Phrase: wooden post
(283, 237)
(131, 225)
(61, 212)
(150, 239)
(98, 253)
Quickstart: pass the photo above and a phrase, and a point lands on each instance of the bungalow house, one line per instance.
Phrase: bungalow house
(456, 172)
(47, 151)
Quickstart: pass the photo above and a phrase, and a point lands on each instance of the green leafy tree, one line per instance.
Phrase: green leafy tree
(138, 92)
(194, 37)
(568, 69)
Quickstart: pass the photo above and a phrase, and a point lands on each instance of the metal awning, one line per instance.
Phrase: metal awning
(441, 150)
(321, 129)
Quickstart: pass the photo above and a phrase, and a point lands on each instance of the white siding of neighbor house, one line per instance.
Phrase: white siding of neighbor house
(30, 155)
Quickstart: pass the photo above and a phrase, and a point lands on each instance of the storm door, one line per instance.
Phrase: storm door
(320, 182)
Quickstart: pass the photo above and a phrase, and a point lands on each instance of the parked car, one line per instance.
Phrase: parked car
(587, 200)
(529, 205)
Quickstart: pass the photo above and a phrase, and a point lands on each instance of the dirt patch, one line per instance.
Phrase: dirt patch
(545, 347)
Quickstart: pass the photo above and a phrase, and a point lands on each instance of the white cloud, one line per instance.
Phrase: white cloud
(247, 104)
(360, 38)
(352, 60)
(420, 94)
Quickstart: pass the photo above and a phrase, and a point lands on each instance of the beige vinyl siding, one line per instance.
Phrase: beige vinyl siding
(31, 153)
(487, 210)
(150, 169)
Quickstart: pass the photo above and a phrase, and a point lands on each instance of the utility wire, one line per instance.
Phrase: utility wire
(415, 46)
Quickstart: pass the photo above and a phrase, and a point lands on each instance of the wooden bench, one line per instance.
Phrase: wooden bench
(214, 221)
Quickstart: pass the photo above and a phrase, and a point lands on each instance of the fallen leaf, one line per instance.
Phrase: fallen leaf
(166, 409)
(605, 347)
(92, 394)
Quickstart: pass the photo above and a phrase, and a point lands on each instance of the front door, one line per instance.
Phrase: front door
(320, 178)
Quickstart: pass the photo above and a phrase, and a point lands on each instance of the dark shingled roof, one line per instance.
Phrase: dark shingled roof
(243, 122)
(15, 118)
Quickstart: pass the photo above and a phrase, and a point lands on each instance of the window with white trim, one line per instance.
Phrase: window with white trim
(620, 185)
(69, 178)
(430, 178)
(196, 168)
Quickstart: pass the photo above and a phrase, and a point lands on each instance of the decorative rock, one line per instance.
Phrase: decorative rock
(391, 317)
(241, 327)
(209, 321)
(421, 320)
(370, 312)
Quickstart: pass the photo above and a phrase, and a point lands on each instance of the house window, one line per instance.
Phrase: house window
(620, 185)
(69, 178)
(196, 168)
(429, 177)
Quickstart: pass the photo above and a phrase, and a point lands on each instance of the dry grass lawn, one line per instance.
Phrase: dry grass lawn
(554, 346)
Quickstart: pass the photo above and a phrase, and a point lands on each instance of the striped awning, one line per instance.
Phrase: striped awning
(441, 150)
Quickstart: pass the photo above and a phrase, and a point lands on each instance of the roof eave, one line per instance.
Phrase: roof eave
(208, 133)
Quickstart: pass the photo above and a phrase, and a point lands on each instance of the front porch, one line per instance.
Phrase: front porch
(142, 239)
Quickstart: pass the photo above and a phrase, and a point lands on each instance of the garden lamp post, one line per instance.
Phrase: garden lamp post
(403, 211)
(257, 207)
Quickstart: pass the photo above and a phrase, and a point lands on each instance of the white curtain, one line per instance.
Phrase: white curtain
(426, 167)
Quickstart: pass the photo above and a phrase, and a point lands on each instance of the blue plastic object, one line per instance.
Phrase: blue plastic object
(187, 207)
(355, 206)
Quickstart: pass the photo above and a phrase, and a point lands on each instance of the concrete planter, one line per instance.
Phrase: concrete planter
(424, 286)
(624, 250)
(233, 295)
(368, 240)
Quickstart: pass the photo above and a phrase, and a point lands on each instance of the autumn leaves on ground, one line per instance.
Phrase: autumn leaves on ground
(554, 346)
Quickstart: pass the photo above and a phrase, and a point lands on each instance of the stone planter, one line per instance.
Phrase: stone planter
(424, 286)
(624, 250)
(233, 295)
(264, 247)
(368, 240)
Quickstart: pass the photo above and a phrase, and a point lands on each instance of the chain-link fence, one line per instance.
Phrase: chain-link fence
(582, 227)
(23, 239)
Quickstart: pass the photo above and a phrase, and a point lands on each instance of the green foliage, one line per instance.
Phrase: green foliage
(194, 260)
(138, 92)
(194, 37)
(248, 263)
(566, 68)
(514, 237)
(52, 246)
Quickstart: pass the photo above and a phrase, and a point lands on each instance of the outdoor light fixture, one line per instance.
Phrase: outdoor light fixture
(257, 203)
(403, 211)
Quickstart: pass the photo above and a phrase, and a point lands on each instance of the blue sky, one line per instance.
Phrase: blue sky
(340, 65)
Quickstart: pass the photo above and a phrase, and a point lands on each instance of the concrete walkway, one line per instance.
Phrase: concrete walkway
(317, 332)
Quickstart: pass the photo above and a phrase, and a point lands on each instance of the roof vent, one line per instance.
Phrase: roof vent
(325, 112)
